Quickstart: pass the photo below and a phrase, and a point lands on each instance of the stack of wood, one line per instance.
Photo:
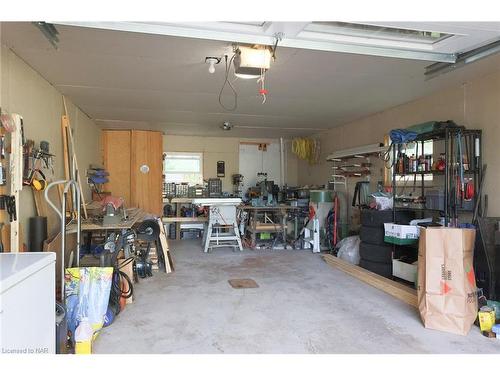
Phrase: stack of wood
(71, 170)
(395, 289)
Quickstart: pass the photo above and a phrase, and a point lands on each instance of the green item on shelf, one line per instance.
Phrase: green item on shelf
(320, 196)
(265, 236)
(424, 127)
(400, 241)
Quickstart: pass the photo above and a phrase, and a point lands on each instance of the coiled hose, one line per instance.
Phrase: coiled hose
(306, 149)
(120, 289)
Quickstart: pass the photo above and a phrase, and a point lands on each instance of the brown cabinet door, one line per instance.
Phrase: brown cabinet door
(116, 159)
(146, 170)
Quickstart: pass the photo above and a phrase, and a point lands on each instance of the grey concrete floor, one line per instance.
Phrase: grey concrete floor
(302, 305)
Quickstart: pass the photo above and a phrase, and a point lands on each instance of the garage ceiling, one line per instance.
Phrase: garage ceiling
(127, 79)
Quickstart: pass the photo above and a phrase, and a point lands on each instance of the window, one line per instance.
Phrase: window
(183, 167)
(416, 149)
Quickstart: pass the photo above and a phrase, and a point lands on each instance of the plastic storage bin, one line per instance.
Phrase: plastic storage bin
(434, 200)
(405, 271)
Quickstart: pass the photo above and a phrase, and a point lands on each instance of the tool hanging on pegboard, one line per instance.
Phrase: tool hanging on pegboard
(37, 160)
(8, 203)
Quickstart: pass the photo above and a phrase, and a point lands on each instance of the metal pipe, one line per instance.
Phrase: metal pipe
(282, 163)
(62, 216)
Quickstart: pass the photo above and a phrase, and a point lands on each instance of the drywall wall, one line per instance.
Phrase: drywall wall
(25, 92)
(475, 104)
(225, 149)
(254, 161)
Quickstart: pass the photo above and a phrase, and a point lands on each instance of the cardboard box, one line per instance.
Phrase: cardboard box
(401, 234)
(405, 271)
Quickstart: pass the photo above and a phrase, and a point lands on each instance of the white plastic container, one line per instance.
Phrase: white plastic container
(405, 271)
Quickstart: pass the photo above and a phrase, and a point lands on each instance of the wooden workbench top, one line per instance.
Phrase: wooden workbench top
(181, 219)
(134, 215)
(269, 208)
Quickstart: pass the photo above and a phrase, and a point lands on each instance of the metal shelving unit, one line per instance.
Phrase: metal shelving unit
(451, 136)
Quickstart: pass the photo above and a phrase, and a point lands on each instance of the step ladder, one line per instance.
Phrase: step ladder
(311, 237)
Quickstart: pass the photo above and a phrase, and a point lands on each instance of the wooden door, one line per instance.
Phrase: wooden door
(116, 159)
(146, 170)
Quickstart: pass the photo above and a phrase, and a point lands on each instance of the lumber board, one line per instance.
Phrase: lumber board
(180, 219)
(371, 278)
(74, 160)
(395, 289)
(77, 173)
(67, 172)
(169, 264)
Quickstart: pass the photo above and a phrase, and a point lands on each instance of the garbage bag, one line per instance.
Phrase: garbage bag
(87, 295)
(349, 249)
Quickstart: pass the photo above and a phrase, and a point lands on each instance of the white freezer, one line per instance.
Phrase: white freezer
(27, 303)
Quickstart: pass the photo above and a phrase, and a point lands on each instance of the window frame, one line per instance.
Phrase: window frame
(198, 155)
(406, 181)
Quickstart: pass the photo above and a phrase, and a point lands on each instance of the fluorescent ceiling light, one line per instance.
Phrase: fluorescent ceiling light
(357, 151)
(377, 32)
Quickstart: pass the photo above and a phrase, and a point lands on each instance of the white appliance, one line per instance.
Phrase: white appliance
(27, 303)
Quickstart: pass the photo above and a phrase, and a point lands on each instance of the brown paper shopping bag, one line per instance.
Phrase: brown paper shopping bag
(446, 291)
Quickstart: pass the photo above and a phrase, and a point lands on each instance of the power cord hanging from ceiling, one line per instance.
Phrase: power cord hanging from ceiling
(228, 82)
(262, 80)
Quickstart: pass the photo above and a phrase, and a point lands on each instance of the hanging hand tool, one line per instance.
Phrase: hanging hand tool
(2, 147)
(3, 178)
(478, 198)
(10, 205)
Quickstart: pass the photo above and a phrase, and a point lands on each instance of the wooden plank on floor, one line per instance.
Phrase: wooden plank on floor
(395, 289)
(169, 262)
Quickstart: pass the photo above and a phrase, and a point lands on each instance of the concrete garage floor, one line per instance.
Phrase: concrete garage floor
(301, 306)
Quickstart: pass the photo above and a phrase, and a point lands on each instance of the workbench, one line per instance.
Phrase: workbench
(178, 219)
(91, 225)
(134, 215)
(256, 213)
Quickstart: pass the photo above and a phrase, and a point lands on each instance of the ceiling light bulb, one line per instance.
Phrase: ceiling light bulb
(211, 68)
(212, 61)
